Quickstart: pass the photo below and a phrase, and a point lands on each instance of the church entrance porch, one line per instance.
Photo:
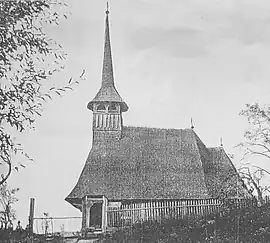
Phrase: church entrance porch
(94, 216)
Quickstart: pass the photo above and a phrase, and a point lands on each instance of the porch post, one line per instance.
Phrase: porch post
(104, 213)
(87, 214)
(86, 206)
(84, 209)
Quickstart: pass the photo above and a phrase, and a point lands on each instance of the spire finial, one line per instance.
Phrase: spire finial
(221, 142)
(191, 123)
(107, 10)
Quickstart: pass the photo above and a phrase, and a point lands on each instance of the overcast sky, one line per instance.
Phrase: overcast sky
(173, 60)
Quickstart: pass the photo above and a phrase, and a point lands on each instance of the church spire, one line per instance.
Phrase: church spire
(107, 106)
(107, 72)
(107, 92)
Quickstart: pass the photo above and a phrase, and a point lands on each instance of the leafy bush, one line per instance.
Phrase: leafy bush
(248, 225)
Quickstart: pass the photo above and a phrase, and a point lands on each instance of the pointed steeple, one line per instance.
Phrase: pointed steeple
(107, 106)
(108, 92)
(107, 72)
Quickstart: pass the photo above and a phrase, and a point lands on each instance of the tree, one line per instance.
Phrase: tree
(253, 177)
(257, 137)
(28, 59)
(256, 143)
(7, 199)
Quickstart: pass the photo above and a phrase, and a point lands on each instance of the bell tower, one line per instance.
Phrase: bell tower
(107, 106)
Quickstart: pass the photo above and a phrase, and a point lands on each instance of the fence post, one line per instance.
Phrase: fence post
(31, 215)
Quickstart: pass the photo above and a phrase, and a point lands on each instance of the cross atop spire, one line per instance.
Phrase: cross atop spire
(191, 123)
(221, 142)
(107, 11)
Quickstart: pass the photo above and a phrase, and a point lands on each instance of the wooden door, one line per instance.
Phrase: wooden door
(96, 216)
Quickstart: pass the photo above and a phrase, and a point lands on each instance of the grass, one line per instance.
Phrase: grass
(248, 225)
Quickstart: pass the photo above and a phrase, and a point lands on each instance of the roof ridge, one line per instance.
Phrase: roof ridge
(201, 158)
(159, 128)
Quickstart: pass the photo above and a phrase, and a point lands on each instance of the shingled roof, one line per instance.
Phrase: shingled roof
(151, 163)
(221, 175)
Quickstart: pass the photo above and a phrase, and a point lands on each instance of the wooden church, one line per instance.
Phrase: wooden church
(135, 174)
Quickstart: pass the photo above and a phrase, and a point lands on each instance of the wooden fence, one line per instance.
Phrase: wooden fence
(137, 212)
(266, 199)
(131, 212)
(52, 225)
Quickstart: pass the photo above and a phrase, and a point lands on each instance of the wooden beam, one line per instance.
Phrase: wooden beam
(31, 215)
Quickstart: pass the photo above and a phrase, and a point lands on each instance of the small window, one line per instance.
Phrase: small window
(112, 107)
(101, 107)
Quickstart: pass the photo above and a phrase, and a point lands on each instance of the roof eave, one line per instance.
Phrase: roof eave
(75, 202)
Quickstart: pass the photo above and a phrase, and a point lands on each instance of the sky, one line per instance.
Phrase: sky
(173, 60)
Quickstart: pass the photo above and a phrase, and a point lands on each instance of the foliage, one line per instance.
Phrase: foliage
(8, 235)
(7, 200)
(257, 137)
(256, 143)
(253, 177)
(247, 225)
(28, 59)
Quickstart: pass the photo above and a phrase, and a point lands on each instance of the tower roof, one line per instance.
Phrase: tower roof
(107, 92)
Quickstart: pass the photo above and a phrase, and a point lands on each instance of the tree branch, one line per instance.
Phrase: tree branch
(5, 177)
(259, 145)
(252, 152)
